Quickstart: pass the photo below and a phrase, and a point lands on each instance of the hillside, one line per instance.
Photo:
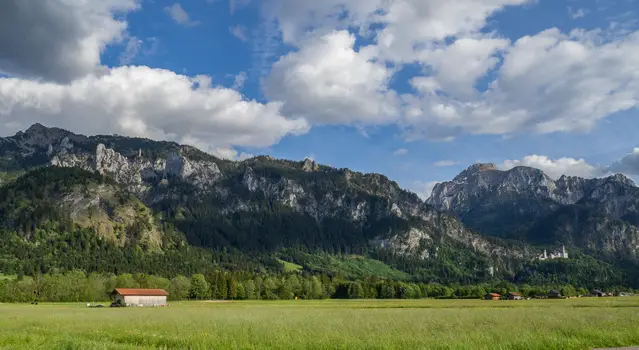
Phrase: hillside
(258, 207)
(165, 208)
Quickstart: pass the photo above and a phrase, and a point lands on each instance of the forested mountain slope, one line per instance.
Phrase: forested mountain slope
(157, 195)
(113, 204)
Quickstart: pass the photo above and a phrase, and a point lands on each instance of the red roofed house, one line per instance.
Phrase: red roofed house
(139, 297)
(492, 296)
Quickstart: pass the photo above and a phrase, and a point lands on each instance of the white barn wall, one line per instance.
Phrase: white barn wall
(145, 300)
(135, 300)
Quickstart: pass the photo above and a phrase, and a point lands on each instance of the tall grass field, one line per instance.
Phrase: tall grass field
(362, 324)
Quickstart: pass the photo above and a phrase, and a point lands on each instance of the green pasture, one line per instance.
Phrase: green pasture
(331, 324)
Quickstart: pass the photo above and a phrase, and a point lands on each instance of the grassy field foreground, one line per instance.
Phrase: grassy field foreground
(418, 324)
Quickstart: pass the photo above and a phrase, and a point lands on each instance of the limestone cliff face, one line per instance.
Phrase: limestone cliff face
(524, 203)
(394, 218)
(113, 216)
(50, 201)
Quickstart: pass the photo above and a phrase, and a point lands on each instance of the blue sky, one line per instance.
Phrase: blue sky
(417, 90)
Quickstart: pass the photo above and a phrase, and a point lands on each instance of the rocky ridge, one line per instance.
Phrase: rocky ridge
(524, 203)
(158, 171)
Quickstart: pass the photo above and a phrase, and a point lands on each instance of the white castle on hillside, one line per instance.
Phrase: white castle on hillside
(554, 255)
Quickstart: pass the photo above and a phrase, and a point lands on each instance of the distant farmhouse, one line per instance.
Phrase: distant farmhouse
(139, 297)
(562, 254)
(513, 296)
(492, 296)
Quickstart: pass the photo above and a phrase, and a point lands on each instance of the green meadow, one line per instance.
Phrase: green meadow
(330, 324)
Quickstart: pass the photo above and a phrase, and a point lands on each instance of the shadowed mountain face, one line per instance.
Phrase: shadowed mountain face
(255, 206)
(524, 203)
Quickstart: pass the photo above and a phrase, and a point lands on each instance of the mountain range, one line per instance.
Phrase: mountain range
(597, 215)
(173, 204)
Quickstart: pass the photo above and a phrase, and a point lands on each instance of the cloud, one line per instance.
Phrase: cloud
(240, 79)
(295, 19)
(628, 165)
(424, 189)
(266, 43)
(328, 82)
(578, 13)
(153, 46)
(406, 25)
(136, 47)
(400, 152)
(555, 168)
(413, 27)
(235, 5)
(549, 82)
(456, 68)
(239, 32)
(180, 16)
(231, 154)
(58, 40)
(146, 102)
(542, 83)
(445, 163)
(131, 50)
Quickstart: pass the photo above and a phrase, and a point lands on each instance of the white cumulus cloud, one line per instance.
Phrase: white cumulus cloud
(551, 81)
(146, 102)
(424, 189)
(328, 82)
(555, 168)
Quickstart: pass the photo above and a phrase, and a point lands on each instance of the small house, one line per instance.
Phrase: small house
(139, 297)
(554, 294)
(513, 296)
(597, 293)
(492, 296)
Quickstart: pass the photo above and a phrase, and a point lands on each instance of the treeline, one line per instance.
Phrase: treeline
(77, 286)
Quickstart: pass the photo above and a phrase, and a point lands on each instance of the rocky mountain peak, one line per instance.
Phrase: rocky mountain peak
(309, 165)
(525, 203)
(474, 170)
(36, 128)
(621, 179)
(38, 135)
(482, 167)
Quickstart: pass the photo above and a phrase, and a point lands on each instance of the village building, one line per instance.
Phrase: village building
(492, 296)
(554, 255)
(513, 296)
(139, 297)
(597, 293)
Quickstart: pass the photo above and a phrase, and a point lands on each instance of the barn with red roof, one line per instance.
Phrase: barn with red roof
(139, 297)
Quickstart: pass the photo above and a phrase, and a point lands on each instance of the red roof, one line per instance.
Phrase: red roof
(515, 294)
(141, 292)
(494, 294)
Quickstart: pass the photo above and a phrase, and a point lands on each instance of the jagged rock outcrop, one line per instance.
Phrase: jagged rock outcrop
(524, 203)
(129, 166)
